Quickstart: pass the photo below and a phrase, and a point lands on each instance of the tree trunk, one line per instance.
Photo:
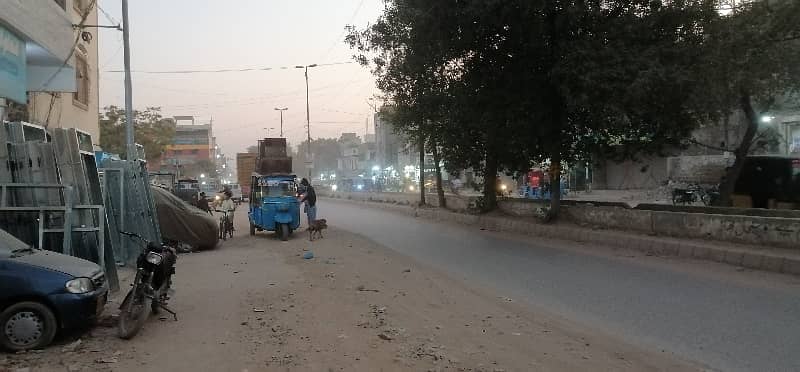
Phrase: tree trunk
(555, 185)
(438, 170)
(421, 168)
(728, 183)
(490, 182)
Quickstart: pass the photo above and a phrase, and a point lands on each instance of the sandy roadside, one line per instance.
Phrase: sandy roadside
(362, 307)
(255, 304)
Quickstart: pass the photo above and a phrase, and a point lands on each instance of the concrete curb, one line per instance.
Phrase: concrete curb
(744, 256)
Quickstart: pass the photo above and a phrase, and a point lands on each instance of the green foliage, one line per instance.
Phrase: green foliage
(151, 130)
(500, 84)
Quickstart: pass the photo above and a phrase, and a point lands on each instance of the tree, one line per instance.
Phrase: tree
(517, 81)
(751, 63)
(151, 130)
(252, 149)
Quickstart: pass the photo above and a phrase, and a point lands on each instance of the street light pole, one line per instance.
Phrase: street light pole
(308, 121)
(281, 110)
(129, 140)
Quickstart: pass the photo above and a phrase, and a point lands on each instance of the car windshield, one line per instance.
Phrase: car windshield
(9, 245)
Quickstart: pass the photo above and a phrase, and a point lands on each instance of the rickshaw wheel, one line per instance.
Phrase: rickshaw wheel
(284, 232)
(252, 229)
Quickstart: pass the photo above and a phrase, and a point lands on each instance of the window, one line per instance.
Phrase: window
(178, 152)
(194, 152)
(81, 96)
(62, 4)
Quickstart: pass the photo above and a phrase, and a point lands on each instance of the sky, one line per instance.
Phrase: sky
(168, 35)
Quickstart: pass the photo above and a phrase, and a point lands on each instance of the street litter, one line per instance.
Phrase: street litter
(308, 255)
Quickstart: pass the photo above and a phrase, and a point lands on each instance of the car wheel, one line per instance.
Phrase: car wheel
(27, 325)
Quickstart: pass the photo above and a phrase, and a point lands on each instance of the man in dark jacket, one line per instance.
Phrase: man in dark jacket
(309, 197)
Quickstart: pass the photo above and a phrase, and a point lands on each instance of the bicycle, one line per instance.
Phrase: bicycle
(225, 225)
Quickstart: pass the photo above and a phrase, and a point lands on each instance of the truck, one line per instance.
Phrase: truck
(273, 190)
(245, 166)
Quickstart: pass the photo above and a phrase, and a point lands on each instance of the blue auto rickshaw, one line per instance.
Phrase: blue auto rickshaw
(274, 205)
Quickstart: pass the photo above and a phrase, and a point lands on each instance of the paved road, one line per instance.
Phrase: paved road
(720, 320)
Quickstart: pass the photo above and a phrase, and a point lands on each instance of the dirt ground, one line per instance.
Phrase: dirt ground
(255, 304)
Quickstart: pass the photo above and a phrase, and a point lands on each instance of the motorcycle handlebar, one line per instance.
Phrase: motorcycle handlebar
(135, 235)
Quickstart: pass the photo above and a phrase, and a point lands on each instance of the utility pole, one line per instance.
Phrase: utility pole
(129, 140)
(308, 122)
(281, 110)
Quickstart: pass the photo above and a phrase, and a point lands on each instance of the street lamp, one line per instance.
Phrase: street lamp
(281, 110)
(268, 129)
(308, 119)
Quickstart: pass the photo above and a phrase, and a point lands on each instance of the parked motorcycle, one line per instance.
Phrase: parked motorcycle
(694, 193)
(154, 269)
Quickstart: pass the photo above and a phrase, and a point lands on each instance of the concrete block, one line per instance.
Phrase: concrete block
(685, 250)
(791, 266)
(666, 249)
(700, 252)
(753, 260)
(716, 254)
(771, 263)
(734, 258)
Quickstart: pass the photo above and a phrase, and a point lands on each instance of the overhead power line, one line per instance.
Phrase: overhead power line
(222, 70)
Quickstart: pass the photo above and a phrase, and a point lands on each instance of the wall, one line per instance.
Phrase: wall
(647, 173)
(704, 169)
(767, 231)
(65, 113)
(456, 203)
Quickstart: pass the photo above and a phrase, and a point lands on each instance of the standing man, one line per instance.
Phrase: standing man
(309, 197)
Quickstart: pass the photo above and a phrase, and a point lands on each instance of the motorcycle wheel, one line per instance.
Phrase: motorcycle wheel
(133, 312)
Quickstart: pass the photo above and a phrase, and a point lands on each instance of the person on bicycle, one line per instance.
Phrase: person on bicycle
(227, 206)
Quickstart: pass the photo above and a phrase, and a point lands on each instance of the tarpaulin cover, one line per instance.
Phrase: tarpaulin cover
(184, 223)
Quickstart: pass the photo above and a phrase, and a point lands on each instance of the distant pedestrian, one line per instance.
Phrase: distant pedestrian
(202, 203)
(309, 197)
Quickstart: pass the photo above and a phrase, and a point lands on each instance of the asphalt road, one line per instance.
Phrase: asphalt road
(704, 312)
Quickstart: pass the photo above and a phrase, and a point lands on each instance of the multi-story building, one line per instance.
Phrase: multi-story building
(193, 145)
(49, 67)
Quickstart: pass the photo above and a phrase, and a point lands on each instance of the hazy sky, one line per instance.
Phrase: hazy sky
(201, 34)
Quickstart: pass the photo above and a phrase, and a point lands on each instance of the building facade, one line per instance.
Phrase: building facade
(47, 67)
(192, 144)
(80, 108)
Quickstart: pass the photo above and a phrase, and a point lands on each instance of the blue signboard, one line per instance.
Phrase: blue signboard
(13, 81)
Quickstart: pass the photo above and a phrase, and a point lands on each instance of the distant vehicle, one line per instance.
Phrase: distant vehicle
(769, 181)
(187, 190)
(236, 190)
(43, 292)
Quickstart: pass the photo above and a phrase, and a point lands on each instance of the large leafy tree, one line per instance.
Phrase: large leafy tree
(514, 81)
(151, 130)
(751, 65)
